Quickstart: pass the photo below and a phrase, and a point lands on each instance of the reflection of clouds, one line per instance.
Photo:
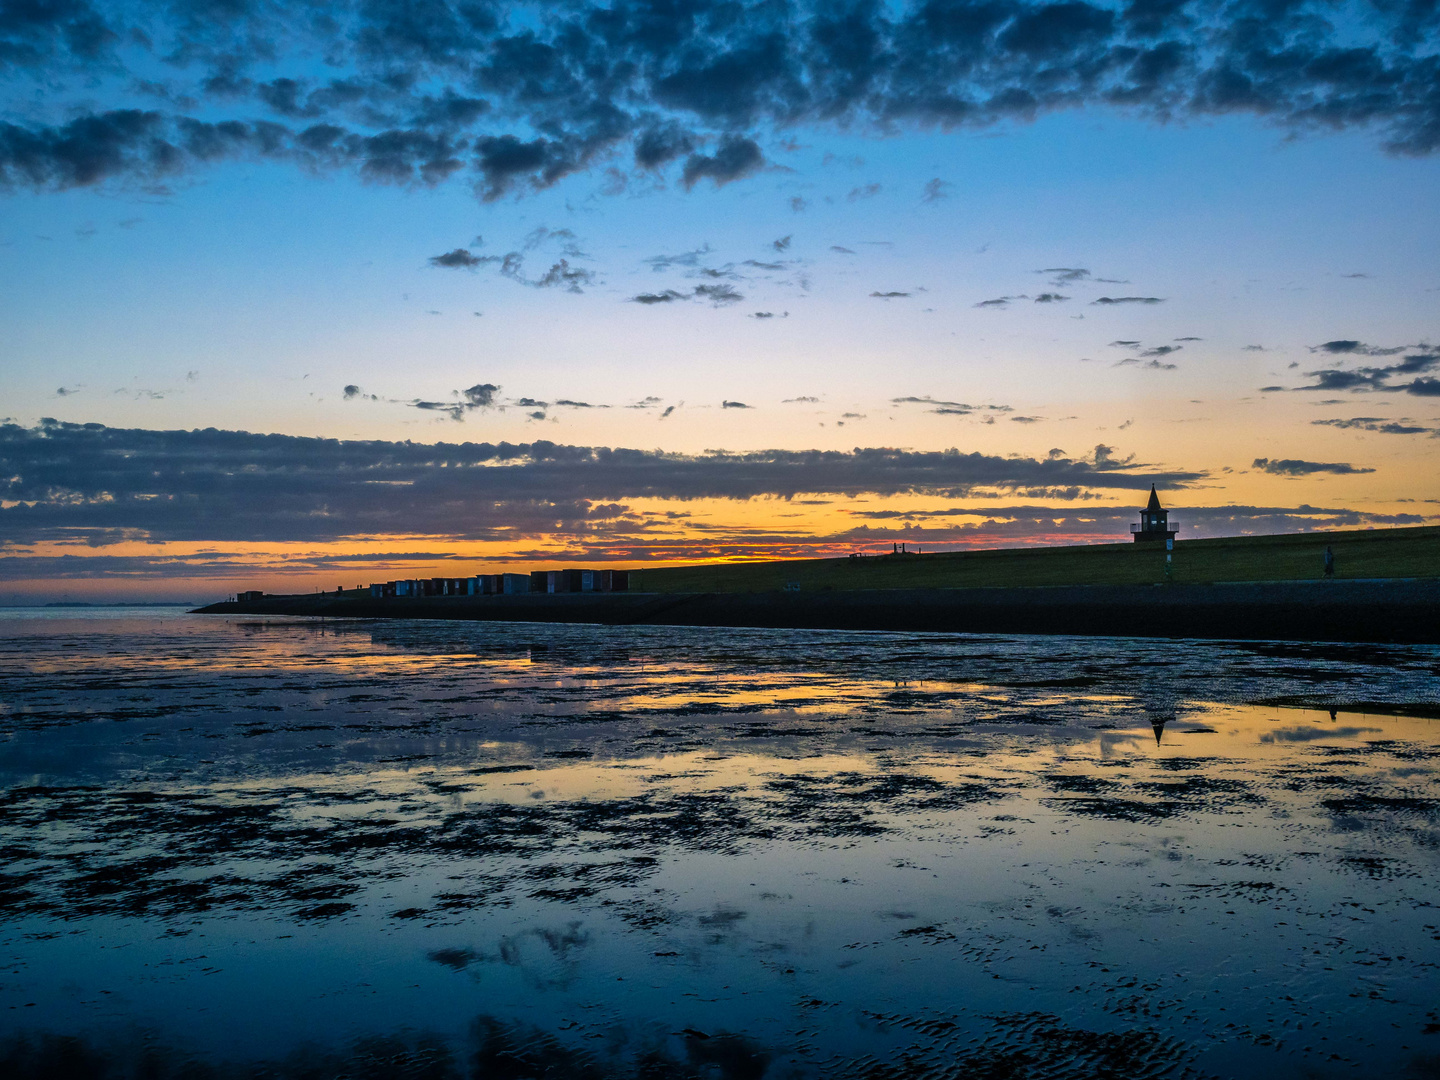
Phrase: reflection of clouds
(1310, 734)
(763, 818)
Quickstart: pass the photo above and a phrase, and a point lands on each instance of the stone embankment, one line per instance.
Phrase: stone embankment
(1354, 611)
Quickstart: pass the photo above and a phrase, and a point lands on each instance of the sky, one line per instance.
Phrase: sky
(303, 295)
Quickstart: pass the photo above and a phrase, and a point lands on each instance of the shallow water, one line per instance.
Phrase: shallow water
(441, 849)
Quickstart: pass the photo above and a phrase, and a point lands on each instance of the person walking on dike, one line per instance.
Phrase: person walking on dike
(1329, 562)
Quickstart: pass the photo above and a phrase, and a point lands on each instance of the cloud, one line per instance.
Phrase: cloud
(1065, 275)
(889, 295)
(1377, 424)
(936, 190)
(1152, 365)
(73, 482)
(420, 93)
(542, 234)
(684, 259)
(718, 295)
(783, 244)
(560, 275)
(563, 275)
(736, 157)
(459, 259)
(506, 162)
(999, 301)
(1104, 457)
(869, 191)
(1107, 300)
(1297, 467)
(479, 396)
(950, 408)
(1151, 358)
(800, 401)
(735, 405)
(90, 149)
(1049, 298)
(1373, 378)
(661, 144)
(1347, 347)
(841, 250)
(667, 296)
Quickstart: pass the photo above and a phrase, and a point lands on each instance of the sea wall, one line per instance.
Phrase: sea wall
(1380, 610)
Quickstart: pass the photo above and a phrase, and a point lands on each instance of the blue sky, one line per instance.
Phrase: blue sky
(247, 291)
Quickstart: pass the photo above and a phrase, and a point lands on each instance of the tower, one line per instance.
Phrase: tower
(1154, 521)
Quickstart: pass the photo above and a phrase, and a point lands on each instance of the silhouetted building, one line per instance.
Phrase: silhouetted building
(612, 580)
(1154, 522)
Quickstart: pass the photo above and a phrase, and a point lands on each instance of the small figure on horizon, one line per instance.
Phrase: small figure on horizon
(1329, 562)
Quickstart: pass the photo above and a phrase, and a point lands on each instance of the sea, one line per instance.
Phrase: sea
(270, 847)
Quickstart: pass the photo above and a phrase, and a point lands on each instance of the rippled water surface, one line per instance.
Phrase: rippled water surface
(469, 850)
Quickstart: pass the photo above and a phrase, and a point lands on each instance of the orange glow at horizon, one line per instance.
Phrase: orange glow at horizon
(644, 532)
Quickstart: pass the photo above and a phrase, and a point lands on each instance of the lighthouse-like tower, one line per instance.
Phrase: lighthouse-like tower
(1154, 522)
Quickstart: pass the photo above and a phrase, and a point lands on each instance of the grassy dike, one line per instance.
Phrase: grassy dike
(1359, 554)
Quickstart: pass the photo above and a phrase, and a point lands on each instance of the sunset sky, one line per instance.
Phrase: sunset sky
(300, 295)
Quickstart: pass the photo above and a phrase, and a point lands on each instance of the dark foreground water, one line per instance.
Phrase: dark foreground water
(467, 850)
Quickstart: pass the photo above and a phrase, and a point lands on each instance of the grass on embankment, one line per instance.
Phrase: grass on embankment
(1366, 553)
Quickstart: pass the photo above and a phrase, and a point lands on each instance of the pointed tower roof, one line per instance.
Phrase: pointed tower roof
(1154, 503)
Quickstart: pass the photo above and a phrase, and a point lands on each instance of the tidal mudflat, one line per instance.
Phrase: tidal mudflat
(296, 849)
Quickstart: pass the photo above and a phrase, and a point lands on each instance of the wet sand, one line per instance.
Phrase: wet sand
(458, 849)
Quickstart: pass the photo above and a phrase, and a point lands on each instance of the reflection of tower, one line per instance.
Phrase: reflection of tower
(1155, 695)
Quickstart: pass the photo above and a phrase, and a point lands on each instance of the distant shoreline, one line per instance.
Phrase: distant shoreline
(1383, 610)
(116, 603)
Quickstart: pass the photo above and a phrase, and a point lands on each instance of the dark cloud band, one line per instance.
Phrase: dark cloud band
(418, 92)
(101, 484)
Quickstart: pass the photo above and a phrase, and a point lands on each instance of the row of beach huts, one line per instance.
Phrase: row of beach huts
(540, 581)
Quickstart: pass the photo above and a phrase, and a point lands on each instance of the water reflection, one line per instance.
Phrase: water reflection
(637, 853)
